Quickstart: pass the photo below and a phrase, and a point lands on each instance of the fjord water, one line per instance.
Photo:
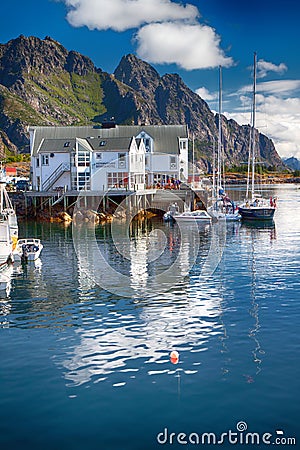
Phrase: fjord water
(82, 368)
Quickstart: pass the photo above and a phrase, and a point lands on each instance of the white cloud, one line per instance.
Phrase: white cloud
(168, 32)
(279, 119)
(121, 15)
(278, 87)
(205, 94)
(190, 46)
(263, 67)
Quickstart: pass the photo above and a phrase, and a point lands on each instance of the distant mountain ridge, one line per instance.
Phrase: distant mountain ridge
(42, 83)
(292, 162)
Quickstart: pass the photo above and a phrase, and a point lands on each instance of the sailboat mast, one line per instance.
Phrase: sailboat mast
(249, 162)
(1, 197)
(253, 123)
(214, 169)
(219, 183)
(193, 176)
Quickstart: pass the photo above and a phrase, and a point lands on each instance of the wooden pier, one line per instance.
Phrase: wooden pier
(35, 202)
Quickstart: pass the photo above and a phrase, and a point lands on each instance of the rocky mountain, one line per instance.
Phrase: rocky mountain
(293, 163)
(42, 83)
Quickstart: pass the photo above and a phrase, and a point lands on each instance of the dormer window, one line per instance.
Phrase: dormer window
(67, 144)
(45, 160)
(183, 145)
(102, 144)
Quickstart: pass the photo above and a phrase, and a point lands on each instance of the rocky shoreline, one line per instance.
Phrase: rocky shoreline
(26, 211)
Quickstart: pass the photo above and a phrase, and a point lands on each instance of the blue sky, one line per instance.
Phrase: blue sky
(190, 38)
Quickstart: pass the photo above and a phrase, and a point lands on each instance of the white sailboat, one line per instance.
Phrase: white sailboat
(7, 209)
(223, 208)
(7, 226)
(255, 207)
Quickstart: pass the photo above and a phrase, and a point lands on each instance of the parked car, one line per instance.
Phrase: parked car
(23, 185)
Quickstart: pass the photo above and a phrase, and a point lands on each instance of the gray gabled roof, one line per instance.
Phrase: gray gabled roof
(110, 144)
(165, 136)
(57, 145)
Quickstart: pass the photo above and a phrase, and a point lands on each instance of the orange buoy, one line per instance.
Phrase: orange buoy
(174, 357)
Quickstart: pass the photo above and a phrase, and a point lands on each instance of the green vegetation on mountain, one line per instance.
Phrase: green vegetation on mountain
(15, 108)
(71, 97)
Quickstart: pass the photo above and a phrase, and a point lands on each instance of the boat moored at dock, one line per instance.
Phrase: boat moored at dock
(28, 249)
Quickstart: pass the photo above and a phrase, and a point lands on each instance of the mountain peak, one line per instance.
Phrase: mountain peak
(136, 73)
(24, 54)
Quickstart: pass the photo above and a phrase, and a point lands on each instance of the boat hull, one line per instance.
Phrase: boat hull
(257, 213)
(5, 244)
(228, 217)
(193, 216)
(236, 217)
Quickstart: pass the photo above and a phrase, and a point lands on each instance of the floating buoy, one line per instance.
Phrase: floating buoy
(174, 357)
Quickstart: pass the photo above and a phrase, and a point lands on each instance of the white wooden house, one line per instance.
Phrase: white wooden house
(97, 159)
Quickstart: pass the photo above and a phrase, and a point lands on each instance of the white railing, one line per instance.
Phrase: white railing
(64, 167)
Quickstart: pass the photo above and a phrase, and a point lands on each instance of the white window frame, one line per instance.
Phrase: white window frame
(45, 160)
(122, 160)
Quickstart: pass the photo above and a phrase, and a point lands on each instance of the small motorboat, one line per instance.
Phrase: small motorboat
(199, 215)
(171, 214)
(28, 249)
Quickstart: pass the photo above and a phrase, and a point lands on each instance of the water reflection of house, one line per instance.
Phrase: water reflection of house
(99, 158)
(119, 337)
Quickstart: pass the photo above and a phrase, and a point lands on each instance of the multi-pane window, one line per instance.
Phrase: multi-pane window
(183, 145)
(81, 180)
(117, 179)
(83, 159)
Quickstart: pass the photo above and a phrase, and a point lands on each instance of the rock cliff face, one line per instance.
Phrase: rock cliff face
(42, 83)
(169, 101)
